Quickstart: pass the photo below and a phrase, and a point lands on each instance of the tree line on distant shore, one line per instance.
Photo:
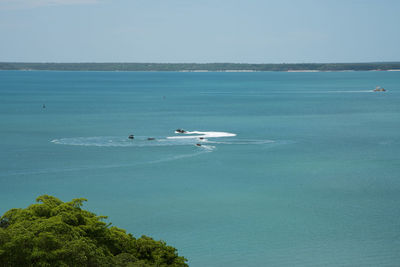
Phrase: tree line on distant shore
(199, 67)
(56, 233)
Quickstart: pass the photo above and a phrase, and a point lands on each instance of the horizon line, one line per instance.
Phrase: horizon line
(119, 62)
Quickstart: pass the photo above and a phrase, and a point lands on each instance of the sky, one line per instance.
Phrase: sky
(200, 31)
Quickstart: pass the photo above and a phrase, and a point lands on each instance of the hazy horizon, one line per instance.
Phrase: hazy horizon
(144, 62)
(176, 31)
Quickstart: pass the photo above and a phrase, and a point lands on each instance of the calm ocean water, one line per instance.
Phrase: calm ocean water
(312, 177)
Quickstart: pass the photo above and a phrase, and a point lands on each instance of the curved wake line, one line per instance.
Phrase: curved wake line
(58, 170)
(201, 139)
(107, 141)
(188, 138)
(119, 141)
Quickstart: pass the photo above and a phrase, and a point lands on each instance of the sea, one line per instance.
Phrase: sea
(273, 169)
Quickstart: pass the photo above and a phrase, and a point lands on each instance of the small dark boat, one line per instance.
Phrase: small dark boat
(201, 138)
(151, 139)
(198, 144)
(131, 136)
(180, 131)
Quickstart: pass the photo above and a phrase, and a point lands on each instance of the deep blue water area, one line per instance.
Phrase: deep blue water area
(296, 169)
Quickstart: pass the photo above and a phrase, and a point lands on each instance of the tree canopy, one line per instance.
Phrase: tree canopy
(56, 233)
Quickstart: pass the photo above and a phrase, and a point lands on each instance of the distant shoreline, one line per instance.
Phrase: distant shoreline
(201, 71)
(202, 67)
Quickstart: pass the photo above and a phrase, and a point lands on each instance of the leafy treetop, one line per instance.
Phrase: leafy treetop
(56, 233)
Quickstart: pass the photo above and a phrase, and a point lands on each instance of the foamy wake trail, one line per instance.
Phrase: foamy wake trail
(353, 91)
(202, 140)
(198, 142)
(198, 134)
(208, 148)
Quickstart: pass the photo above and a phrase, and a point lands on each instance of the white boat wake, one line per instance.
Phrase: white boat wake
(200, 141)
(198, 134)
(194, 147)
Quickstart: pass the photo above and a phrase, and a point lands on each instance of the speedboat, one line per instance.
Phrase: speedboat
(379, 89)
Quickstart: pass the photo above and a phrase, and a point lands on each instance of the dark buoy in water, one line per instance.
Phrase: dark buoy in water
(131, 136)
(198, 144)
(44, 106)
(151, 139)
(201, 138)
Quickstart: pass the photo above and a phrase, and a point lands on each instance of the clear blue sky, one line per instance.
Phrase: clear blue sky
(253, 31)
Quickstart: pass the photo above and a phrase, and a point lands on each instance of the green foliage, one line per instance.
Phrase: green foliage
(54, 233)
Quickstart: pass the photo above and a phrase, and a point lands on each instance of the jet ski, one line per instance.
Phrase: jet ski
(180, 131)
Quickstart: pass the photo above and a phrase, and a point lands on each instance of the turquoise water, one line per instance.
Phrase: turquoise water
(312, 177)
